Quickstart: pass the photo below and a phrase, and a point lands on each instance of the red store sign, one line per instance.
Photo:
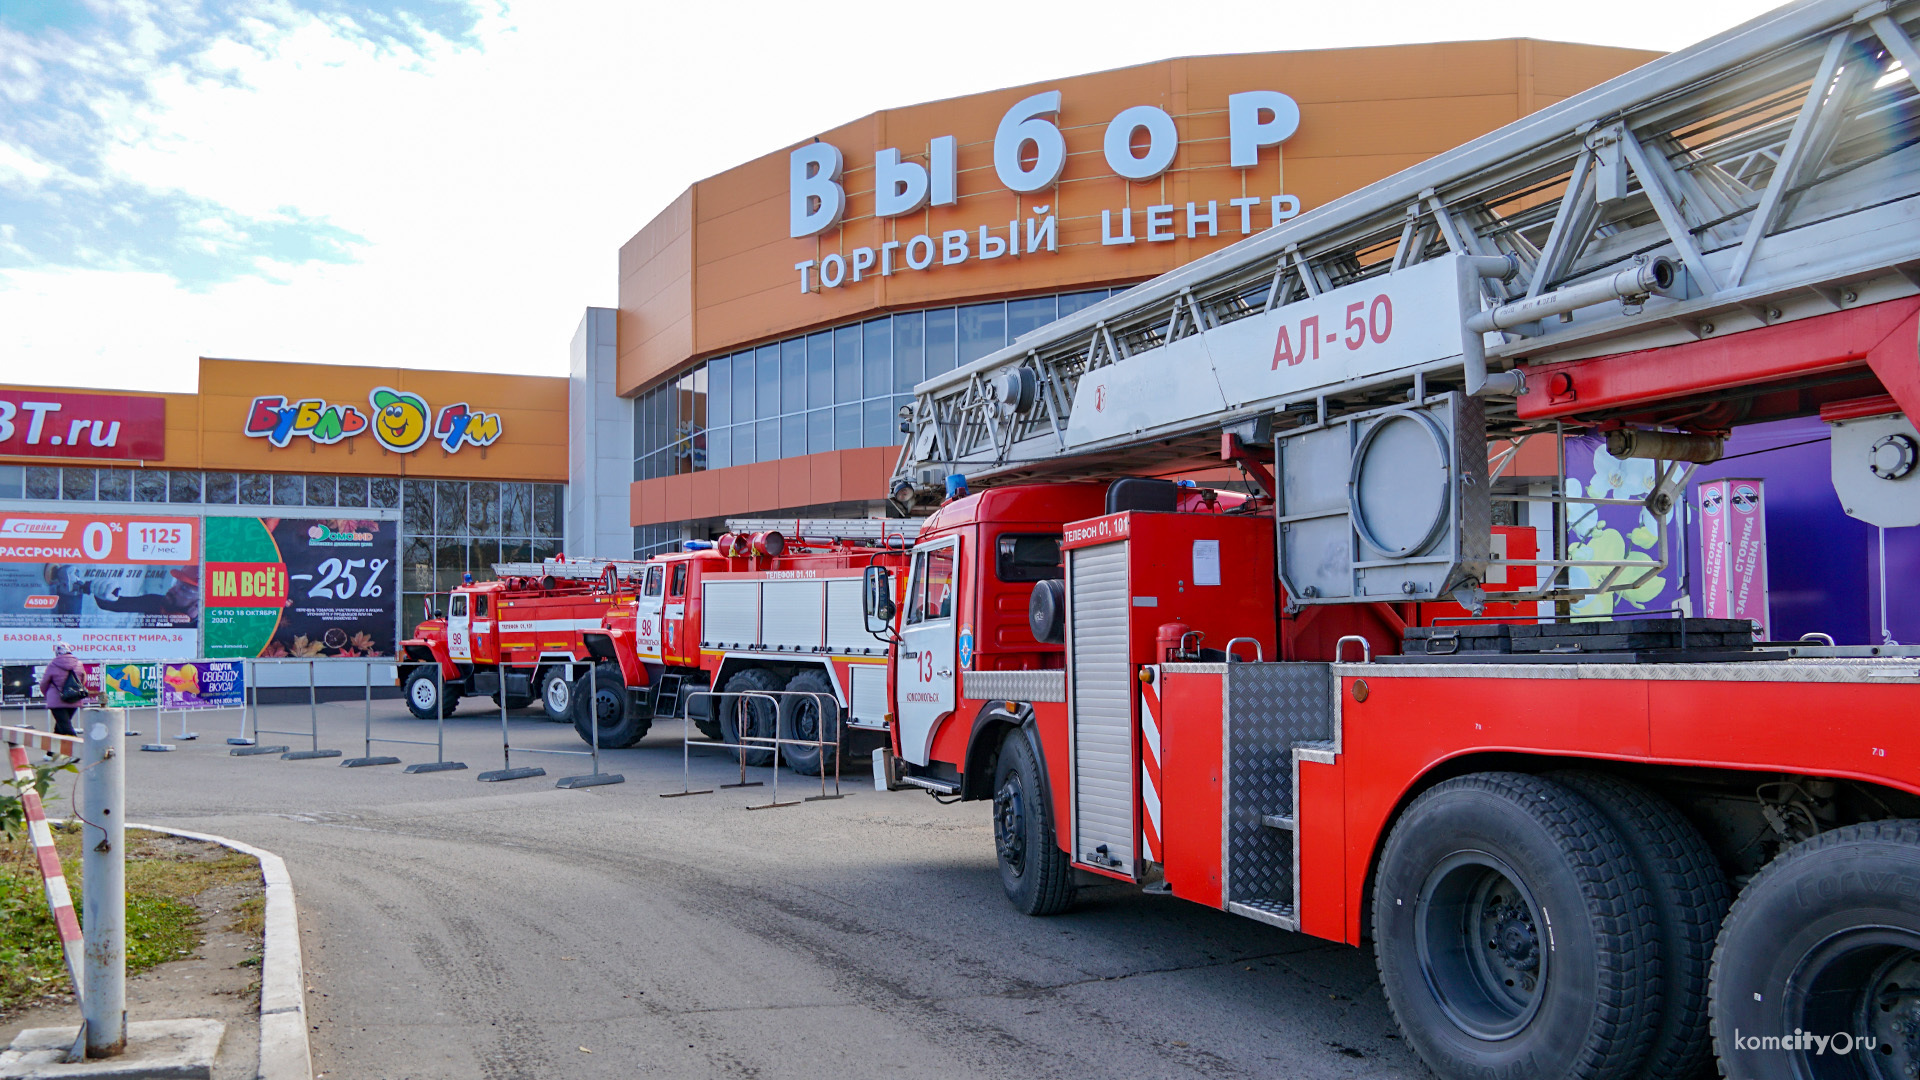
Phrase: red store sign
(122, 427)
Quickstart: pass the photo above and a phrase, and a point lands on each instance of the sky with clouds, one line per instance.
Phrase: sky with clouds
(445, 184)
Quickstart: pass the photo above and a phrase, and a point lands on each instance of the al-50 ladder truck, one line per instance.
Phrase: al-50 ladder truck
(1594, 849)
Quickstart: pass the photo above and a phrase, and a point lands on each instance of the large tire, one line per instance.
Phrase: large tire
(1514, 933)
(556, 693)
(810, 717)
(1690, 897)
(1824, 941)
(426, 697)
(762, 714)
(603, 694)
(1035, 873)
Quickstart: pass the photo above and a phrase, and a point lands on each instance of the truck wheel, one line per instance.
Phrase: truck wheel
(604, 692)
(1514, 934)
(1689, 894)
(1821, 954)
(427, 698)
(762, 715)
(1035, 873)
(556, 693)
(810, 718)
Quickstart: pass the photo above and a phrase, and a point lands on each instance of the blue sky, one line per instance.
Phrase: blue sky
(442, 183)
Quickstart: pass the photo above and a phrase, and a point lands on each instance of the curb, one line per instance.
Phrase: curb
(284, 1053)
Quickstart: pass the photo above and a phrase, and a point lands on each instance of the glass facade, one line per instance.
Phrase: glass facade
(834, 389)
(448, 528)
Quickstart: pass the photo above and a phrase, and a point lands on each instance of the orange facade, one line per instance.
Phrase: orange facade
(716, 269)
(524, 417)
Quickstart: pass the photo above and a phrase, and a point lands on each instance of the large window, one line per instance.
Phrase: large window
(452, 528)
(834, 389)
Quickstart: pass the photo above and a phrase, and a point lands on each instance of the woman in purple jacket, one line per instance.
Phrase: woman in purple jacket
(51, 683)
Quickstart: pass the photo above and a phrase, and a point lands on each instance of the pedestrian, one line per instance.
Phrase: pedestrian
(63, 686)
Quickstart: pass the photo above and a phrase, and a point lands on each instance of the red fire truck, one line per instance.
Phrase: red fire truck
(761, 610)
(1580, 847)
(523, 629)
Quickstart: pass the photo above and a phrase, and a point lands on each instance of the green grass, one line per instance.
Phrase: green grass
(162, 922)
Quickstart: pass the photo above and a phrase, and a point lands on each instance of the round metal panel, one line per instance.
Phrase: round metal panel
(1398, 489)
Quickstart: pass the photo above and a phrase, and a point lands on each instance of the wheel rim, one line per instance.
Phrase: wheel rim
(806, 721)
(1477, 933)
(558, 695)
(423, 694)
(1010, 824)
(606, 708)
(1863, 983)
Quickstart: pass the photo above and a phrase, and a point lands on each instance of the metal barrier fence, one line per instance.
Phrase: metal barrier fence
(313, 712)
(507, 771)
(439, 743)
(741, 702)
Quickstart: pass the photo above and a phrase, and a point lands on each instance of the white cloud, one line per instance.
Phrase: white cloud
(493, 186)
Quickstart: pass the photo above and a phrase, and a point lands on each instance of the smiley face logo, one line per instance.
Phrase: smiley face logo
(399, 419)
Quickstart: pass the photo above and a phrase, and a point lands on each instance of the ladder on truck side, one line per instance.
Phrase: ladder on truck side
(1759, 180)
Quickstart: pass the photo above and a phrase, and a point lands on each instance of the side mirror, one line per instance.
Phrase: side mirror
(876, 599)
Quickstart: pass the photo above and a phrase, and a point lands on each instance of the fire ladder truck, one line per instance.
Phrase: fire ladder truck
(523, 629)
(1583, 849)
(773, 608)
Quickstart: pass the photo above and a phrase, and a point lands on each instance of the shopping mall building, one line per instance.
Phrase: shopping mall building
(772, 321)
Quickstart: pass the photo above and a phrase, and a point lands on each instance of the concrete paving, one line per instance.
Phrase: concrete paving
(462, 929)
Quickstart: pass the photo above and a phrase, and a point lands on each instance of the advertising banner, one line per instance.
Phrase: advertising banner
(115, 588)
(20, 684)
(1733, 552)
(47, 423)
(204, 684)
(130, 686)
(301, 587)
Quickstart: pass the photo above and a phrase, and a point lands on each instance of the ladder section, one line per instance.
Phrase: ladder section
(1763, 176)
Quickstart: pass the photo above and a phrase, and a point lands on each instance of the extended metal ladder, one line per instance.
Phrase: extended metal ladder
(1764, 176)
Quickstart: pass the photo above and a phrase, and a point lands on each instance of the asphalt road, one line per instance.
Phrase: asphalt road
(464, 929)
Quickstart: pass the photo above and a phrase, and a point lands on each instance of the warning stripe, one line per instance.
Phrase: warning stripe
(1150, 764)
(40, 740)
(59, 900)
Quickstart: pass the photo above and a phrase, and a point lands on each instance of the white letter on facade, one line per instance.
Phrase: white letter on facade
(862, 260)
(1107, 236)
(991, 246)
(898, 187)
(1247, 132)
(1159, 223)
(1211, 217)
(39, 409)
(833, 271)
(943, 170)
(1284, 207)
(886, 257)
(1162, 141)
(1023, 124)
(815, 199)
(923, 244)
(1245, 205)
(953, 247)
(805, 269)
(1041, 231)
